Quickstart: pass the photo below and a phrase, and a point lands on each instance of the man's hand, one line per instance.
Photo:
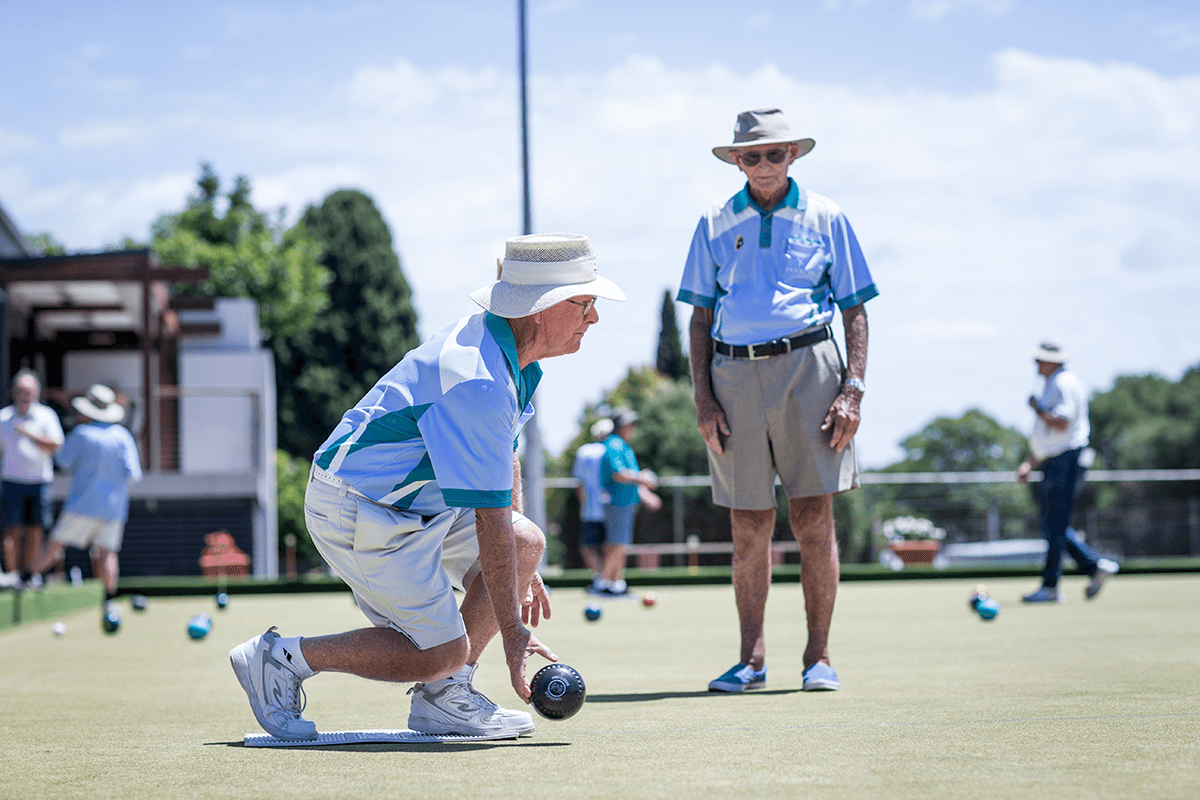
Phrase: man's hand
(519, 644)
(536, 603)
(843, 418)
(711, 422)
(1023, 472)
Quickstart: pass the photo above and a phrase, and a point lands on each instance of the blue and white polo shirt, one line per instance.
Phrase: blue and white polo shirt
(771, 275)
(439, 429)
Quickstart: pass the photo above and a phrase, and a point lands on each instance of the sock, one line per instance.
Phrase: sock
(465, 673)
(288, 651)
(109, 596)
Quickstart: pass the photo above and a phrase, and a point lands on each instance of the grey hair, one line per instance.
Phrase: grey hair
(26, 372)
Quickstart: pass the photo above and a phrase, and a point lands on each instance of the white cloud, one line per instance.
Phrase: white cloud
(937, 9)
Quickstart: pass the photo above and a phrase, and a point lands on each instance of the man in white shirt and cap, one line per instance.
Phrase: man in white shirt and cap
(1058, 446)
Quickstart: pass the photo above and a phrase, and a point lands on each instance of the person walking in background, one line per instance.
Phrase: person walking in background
(417, 492)
(102, 458)
(30, 434)
(592, 498)
(628, 487)
(766, 271)
(1058, 446)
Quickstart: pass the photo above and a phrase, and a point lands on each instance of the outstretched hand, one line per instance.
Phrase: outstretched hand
(519, 644)
(536, 603)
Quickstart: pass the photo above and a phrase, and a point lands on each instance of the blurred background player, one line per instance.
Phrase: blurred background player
(628, 487)
(766, 271)
(30, 434)
(102, 458)
(592, 499)
(1058, 446)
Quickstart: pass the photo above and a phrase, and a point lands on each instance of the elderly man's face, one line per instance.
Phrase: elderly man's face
(25, 393)
(567, 322)
(768, 176)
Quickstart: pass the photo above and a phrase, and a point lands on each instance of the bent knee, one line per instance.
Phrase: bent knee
(529, 537)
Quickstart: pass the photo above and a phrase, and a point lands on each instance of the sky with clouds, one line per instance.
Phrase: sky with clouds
(1014, 170)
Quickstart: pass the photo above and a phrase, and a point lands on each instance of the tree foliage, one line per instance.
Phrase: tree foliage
(671, 360)
(326, 367)
(46, 244)
(247, 254)
(1148, 422)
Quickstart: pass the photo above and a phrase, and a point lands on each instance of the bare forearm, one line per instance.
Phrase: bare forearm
(498, 562)
(518, 501)
(700, 350)
(854, 322)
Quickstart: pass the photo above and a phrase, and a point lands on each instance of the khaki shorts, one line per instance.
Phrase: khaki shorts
(403, 568)
(775, 407)
(79, 530)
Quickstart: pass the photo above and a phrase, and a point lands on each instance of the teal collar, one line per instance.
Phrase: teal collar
(526, 379)
(742, 200)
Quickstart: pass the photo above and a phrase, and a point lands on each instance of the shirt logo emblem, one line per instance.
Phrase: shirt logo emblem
(739, 243)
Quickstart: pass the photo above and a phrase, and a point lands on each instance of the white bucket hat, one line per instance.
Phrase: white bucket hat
(1051, 353)
(542, 269)
(761, 126)
(100, 403)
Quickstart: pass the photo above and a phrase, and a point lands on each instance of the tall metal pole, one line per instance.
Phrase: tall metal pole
(535, 468)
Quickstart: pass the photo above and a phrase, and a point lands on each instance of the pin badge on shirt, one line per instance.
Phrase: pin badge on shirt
(738, 244)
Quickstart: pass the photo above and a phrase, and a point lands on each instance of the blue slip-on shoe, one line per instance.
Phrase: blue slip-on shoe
(820, 677)
(1046, 594)
(740, 678)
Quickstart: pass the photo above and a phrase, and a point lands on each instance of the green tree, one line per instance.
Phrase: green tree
(973, 442)
(326, 367)
(46, 244)
(1146, 422)
(247, 255)
(671, 361)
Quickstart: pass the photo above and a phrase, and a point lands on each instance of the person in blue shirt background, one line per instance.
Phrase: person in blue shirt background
(628, 487)
(102, 458)
(592, 498)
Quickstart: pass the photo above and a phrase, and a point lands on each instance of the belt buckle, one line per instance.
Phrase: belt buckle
(750, 352)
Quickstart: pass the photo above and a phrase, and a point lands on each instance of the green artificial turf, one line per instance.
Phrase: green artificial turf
(1078, 700)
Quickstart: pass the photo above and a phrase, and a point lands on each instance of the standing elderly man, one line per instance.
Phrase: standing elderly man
(102, 458)
(417, 493)
(1058, 446)
(766, 270)
(30, 434)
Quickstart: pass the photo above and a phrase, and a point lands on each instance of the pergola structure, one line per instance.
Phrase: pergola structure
(119, 300)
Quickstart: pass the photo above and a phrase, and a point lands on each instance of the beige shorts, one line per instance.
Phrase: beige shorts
(775, 407)
(79, 530)
(403, 568)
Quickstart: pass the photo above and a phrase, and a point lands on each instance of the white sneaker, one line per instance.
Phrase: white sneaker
(453, 705)
(276, 697)
(1105, 568)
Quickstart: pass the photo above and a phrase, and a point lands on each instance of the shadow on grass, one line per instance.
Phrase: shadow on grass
(400, 747)
(645, 696)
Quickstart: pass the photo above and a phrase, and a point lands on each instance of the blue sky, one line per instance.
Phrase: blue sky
(1014, 170)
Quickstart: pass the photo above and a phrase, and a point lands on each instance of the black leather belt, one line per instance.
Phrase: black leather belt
(754, 352)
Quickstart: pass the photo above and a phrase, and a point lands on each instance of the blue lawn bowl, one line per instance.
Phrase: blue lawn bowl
(222, 600)
(199, 626)
(592, 612)
(987, 609)
(111, 621)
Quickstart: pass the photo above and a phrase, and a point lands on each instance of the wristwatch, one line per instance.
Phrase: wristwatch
(856, 383)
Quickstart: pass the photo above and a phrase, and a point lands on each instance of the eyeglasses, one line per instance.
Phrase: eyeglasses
(587, 306)
(750, 158)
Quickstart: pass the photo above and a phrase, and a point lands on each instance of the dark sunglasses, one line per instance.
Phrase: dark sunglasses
(750, 158)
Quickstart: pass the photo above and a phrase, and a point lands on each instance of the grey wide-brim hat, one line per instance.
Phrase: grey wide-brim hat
(1051, 353)
(542, 269)
(761, 126)
(100, 403)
